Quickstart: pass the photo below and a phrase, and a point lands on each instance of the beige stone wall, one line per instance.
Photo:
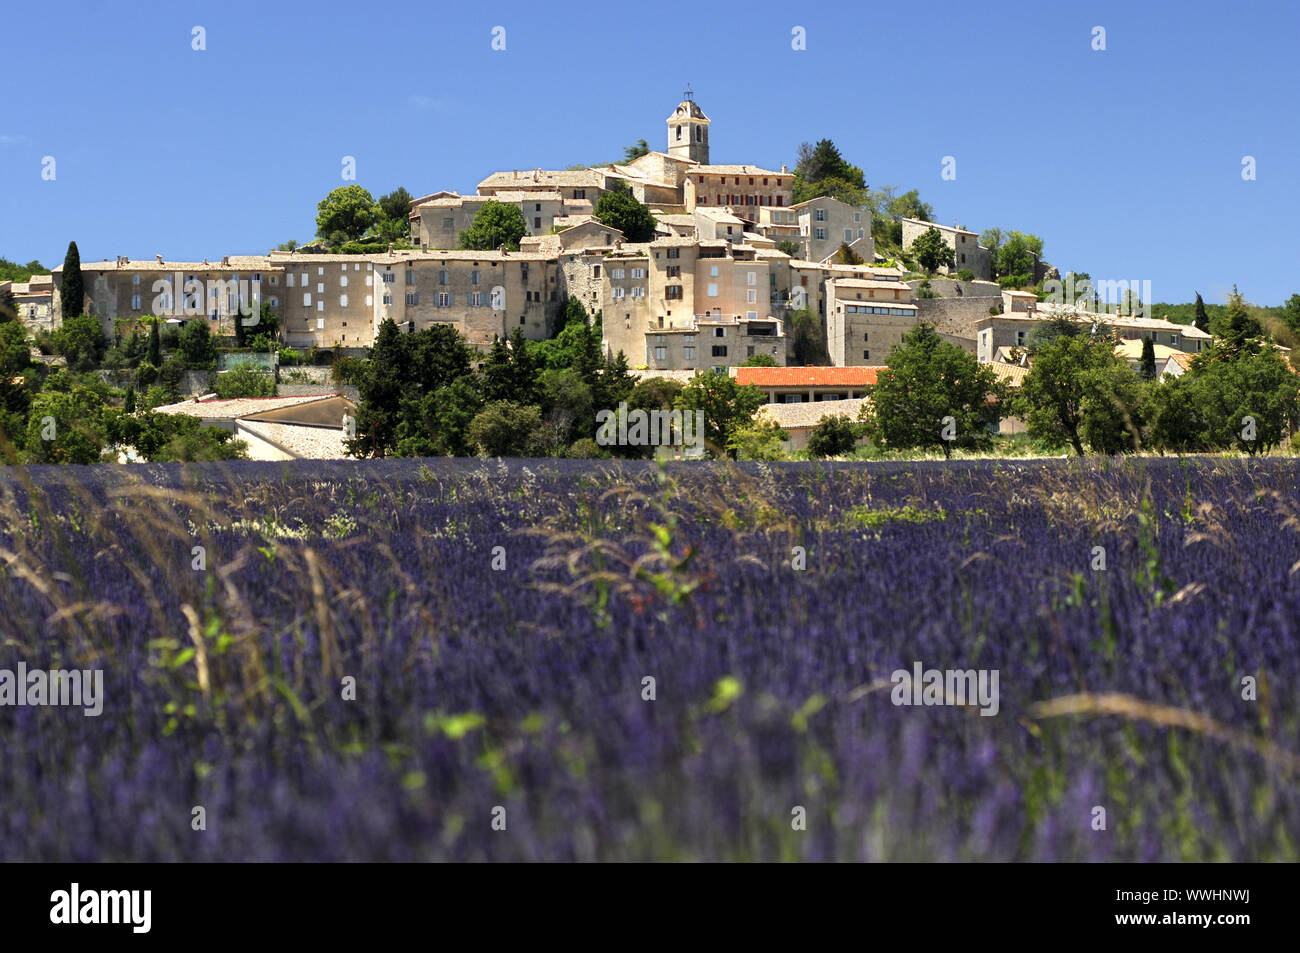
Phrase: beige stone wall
(328, 300)
(744, 191)
(967, 252)
(837, 224)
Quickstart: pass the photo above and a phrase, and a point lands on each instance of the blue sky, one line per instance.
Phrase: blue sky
(1128, 162)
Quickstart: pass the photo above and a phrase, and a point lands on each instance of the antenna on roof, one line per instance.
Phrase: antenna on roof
(689, 95)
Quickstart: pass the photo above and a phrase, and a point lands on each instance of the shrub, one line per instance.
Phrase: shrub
(290, 357)
(966, 275)
(835, 436)
(244, 380)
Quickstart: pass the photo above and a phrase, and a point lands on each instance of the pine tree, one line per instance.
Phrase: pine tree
(72, 289)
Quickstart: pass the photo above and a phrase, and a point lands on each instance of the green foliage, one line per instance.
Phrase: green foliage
(821, 170)
(506, 429)
(495, 224)
(1074, 377)
(726, 405)
(72, 290)
(636, 150)
(154, 352)
(175, 438)
(80, 340)
(965, 274)
(618, 208)
(347, 212)
(1046, 332)
(290, 357)
(847, 256)
(834, 436)
(394, 222)
(760, 360)
(65, 427)
(12, 271)
(1016, 257)
(128, 404)
(931, 251)
(808, 340)
(761, 439)
(1290, 312)
(789, 247)
(195, 344)
(927, 381)
(244, 380)
(1147, 370)
(1200, 318)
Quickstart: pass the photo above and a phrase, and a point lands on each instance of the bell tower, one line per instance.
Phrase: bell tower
(688, 130)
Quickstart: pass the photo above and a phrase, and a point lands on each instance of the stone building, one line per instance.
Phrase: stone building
(33, 301)
(866, 318)
(826, 223)
(439, 222)
(968, 253)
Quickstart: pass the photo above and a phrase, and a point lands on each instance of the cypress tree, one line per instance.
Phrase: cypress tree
(128, 406)
(155, 344)
(71, 288)
(1202, 320)
(1148, 368)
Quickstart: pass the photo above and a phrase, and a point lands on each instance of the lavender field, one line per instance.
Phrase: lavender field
(369, 661)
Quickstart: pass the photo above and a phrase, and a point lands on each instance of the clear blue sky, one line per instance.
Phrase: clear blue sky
(1127, 162)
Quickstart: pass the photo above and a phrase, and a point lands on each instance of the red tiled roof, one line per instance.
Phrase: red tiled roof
(806, 376)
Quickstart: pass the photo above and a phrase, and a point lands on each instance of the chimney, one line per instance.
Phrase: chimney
(225, 261)
(783, 168)
(158, 258)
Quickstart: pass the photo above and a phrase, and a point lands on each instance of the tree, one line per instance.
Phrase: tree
(174, 438)
(789, 247)
(761, 439)
(506, 429)
(808, 340)
(1016, 258)
(637, 150)
(1148, 367)
(1235, 331)
(821, 170)
(931, 251)
(1290, 312)
(80, 340)
(128, 405)
(1200, 318)
(8, 309)
(396, 205)
(933, 395)
(65, 427)
(72, 290)
(495, 224)
(1072, 377)
(197, 349)
(380, 390)
(834, 436)
(726, 407)
(347, 212)
(244, 380)
(618, 208)
(1046, 332)
(760, 360)
(847, 256)
(992, 239)
(154, 354)
(568, 408)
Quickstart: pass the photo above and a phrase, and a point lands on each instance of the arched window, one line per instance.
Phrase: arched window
(679, 133)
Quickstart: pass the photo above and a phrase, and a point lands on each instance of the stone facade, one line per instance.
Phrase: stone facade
(968, 253)
(866, 319)
(826, 223)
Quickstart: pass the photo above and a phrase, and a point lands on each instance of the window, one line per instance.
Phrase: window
(819, 234)
(661, 353)
(579, 193)
(848, 236)
(595, 271)
(442, 277)
(719, 332)
(618, 293)
(699, 133)
(751, 277)
(679, 133)
(320, 270)
(521, 319)
(866, 355)
(713, 291)
(713, 271)
(306, 299)
(719, 350)
(673, 253)
(674, 271)
(444, 299)
(819, 215)
(343, 282)
(135, 280)
(616, 273)
(135, 302)
(477, 299)
(673, 292)
(320, 287)
(1020, 337)
(474, 277)
(320, 324)
(963, 258)
(1173, 340)
(320, 306)
(864, 337)
(537, 207)
(537, 222)
(343, 301)
(638, 272)
(288, 280)
(688, 352)
(752, 297)
(448, 225)
(388, 298)
(413, 297)
(857, 216)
